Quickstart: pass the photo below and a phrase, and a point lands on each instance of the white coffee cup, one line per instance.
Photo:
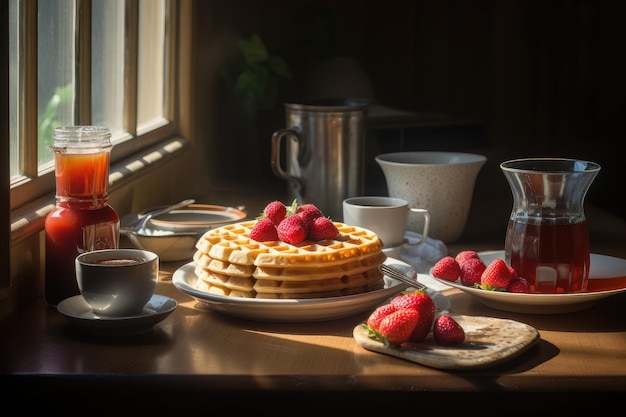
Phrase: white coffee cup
(387, 217)
(117, 282)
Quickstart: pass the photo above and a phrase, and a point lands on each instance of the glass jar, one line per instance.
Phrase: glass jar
(82, 220)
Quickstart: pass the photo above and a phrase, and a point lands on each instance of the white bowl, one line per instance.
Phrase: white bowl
(441, 182)
(173, 236)
(169, 245)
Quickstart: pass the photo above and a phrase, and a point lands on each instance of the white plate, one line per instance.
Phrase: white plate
(303, 310)
(602, 266)
(196, 216)
(80, 315)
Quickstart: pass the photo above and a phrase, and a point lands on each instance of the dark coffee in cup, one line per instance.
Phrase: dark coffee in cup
(122, 261)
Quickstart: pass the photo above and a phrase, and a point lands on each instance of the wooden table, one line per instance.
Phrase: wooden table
(197, 358)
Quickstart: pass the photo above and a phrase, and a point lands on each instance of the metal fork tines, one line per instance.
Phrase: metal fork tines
(400, 276)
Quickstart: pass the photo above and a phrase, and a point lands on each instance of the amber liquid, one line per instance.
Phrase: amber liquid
(554, 258)
(81, 222)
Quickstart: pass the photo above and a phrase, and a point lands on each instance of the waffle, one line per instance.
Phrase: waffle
(229, 263)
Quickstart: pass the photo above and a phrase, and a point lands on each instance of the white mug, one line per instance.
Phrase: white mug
(387, 217)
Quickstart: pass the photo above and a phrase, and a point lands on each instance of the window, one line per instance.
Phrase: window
(80, 62)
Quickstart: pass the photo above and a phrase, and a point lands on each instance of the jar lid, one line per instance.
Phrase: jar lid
(81, 137)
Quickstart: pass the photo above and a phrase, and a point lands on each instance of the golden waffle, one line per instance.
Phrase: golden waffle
(306, 274)
(331, 284)
(231, 243)
(231, 264)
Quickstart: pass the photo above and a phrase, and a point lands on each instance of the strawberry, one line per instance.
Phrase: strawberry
(307, 221)
(264, 231)
(308, 213)
(424, 305)
(496, 277)
(309, 210)
(446, 268)
(322, 229)
(397, 327)
(447, 331)
(465, 255)
(518, 284)
(471, 271)
(275, 211)
(373, 321)
(292, 230)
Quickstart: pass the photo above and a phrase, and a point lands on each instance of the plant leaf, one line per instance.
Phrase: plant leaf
(253, 81)
(254, 50)
(278, 66)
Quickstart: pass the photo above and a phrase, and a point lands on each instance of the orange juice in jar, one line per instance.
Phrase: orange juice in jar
(82, 220)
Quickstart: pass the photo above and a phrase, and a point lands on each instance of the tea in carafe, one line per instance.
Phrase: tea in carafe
(547, 241)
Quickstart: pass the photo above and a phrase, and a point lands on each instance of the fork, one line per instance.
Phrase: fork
(400, 276)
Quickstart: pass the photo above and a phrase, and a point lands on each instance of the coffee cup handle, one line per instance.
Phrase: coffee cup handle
(426, 213)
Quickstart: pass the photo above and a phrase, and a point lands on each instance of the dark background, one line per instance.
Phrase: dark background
(531, 78)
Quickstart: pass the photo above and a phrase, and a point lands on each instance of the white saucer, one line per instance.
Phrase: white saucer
(79, 314)
(601, 267)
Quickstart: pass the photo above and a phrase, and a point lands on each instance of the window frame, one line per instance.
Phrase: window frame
(32, 198)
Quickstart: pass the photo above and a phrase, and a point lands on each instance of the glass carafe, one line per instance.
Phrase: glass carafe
(547, 241)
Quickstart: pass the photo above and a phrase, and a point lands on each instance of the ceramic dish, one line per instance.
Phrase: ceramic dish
(607, 277)
(489, 341)
(78, 313)
(305, 310)
(173, 235)
(196, 216)
(169, 245)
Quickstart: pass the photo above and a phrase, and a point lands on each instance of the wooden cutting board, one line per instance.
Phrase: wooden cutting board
(489, 341)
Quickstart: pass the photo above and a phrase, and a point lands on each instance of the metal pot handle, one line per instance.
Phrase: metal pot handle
(275, 161)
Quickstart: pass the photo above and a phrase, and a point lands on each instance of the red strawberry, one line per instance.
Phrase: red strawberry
(373, 321)
(292, 230)
(275, 211)
(465, 255)
(307, 221)
(496, 277)
(323, 228)
(518, 284)
(446, 268)
(471, 271)
(447, 331)
(308, 213)
(264, 231)
(424, 305)
(309, 210)
(397, 327)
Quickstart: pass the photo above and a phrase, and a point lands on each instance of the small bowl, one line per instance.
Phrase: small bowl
(441, 182)
(169, 245)
(173, 236)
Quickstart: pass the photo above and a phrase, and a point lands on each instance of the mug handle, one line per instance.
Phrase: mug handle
(426, 213)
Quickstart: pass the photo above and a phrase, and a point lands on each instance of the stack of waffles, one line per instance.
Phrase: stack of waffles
(229, 263)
